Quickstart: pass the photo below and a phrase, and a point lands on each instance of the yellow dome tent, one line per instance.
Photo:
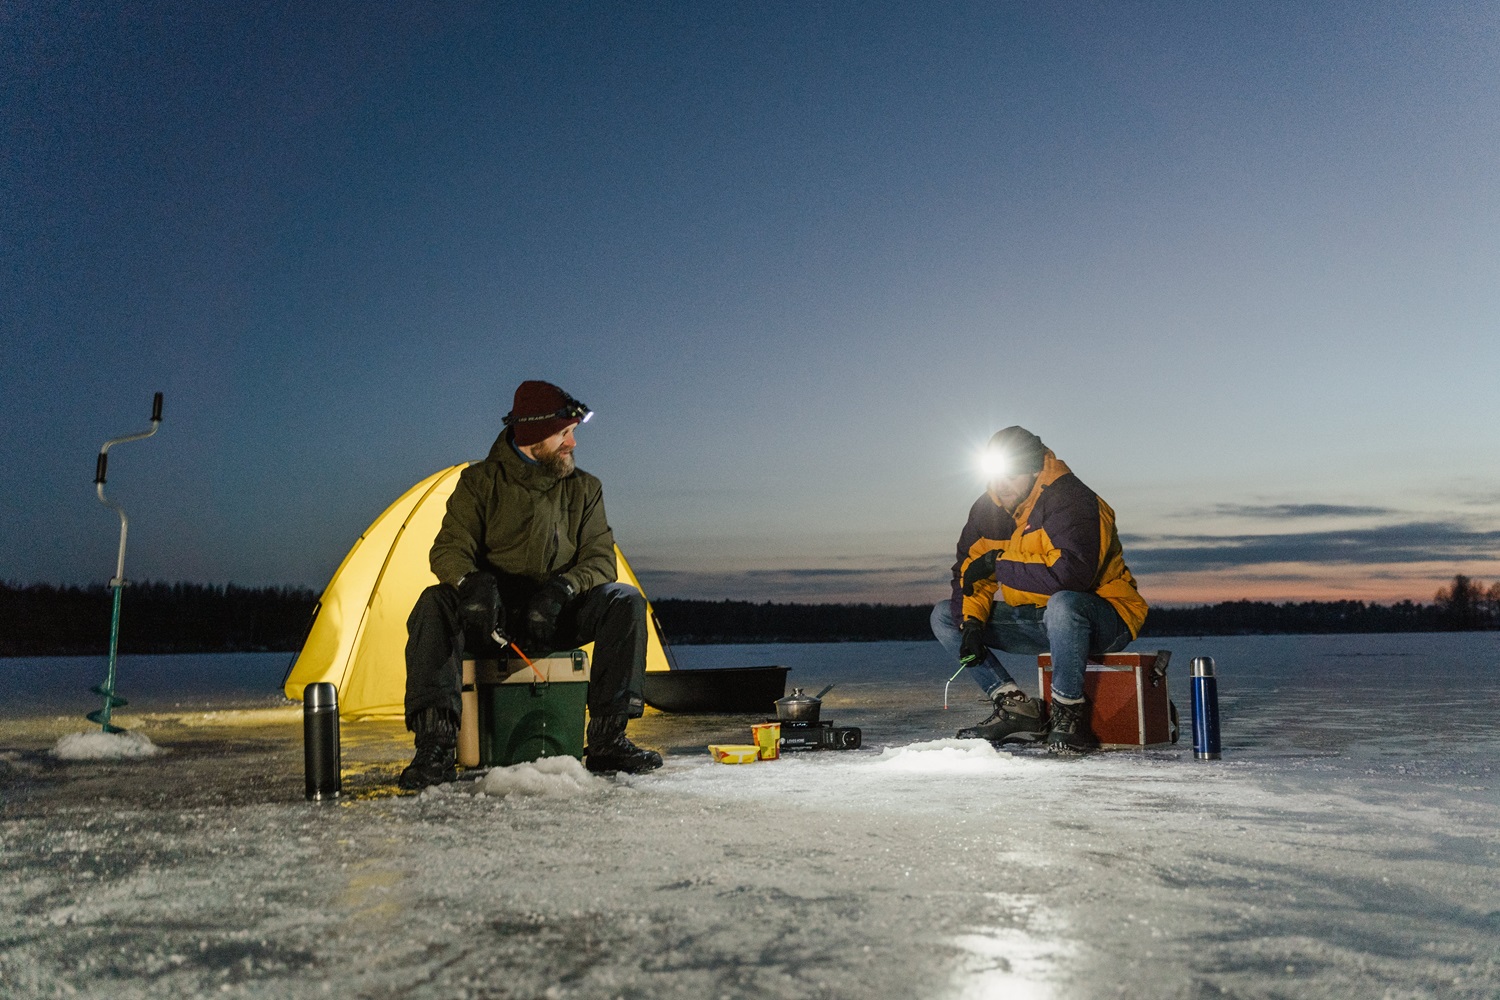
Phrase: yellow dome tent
(358, 636)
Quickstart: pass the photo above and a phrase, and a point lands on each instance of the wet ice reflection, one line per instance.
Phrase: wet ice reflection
(1017, 959)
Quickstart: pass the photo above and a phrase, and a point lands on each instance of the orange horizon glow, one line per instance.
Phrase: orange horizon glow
(1274, 585)
(1380, 585)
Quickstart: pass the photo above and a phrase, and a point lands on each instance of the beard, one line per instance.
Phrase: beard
(557, 463)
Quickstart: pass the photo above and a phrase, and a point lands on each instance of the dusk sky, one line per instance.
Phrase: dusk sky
(1237, 264)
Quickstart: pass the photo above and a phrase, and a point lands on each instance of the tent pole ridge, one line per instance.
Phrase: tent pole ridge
(364, 614)
(396, 539)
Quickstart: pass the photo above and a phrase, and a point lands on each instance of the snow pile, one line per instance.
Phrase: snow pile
(99, 745)
(552, 777)
(945, 757)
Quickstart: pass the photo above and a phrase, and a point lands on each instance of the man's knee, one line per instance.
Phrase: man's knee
(624, 604)
(941, 619)
(624, 593)
(438, 603)
(1067, 606)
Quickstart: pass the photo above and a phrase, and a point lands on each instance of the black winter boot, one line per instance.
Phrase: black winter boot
(609, 750)
(436, 737)
(1016, 718)
(1069, 732)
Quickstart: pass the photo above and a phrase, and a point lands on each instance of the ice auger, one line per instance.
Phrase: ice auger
(107, 689)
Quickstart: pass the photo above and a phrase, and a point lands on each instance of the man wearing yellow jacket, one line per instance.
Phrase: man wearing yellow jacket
(1045, 545)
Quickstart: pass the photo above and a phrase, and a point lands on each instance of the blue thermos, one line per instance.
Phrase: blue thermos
(1205, 702)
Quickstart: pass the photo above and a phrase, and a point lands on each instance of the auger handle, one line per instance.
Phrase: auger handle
(103, 464)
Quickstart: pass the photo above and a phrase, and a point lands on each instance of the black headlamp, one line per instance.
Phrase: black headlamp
(572, 409)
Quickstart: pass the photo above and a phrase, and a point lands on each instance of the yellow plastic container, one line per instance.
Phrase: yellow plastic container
(734, 753)
(767, 739)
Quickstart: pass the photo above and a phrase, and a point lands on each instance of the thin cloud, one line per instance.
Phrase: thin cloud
(842, 575)
(813, 574)
(1278, 511)
(899, 584)
(1483, 500)
(1400, 543)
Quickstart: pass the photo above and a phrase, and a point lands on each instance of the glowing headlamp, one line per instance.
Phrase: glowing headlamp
(996, 464)
(571, 410)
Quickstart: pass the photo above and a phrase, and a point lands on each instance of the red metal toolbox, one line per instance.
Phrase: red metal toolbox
(1127, 696)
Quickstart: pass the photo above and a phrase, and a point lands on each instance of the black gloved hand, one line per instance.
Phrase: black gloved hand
(982, 568)
(544, 609)
(972, 650)
(479, 606)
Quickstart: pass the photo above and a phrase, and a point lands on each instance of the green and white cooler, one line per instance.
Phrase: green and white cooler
(513, 713)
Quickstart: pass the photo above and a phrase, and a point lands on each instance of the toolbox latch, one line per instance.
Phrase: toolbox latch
(1159, 667)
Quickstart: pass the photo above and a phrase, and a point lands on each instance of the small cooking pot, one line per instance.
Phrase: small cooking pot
(800, 707)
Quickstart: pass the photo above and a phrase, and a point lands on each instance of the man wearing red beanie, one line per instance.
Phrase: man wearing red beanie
(526, 553)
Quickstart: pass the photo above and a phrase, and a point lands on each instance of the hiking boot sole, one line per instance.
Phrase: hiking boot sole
(1070, 749)
(608, 769)
(416, 783)
(1000, 734)
(607, 766)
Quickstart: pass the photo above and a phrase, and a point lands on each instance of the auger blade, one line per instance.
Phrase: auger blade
(97, 716)
(111, 699)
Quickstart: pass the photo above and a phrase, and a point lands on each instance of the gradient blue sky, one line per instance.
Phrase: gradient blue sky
(1238, 264)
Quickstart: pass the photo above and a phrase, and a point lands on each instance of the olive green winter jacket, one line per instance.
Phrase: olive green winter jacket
(511, 516)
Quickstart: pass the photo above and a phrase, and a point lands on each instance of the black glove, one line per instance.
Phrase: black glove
(972, 650)
(545, 607)
(479, 607)
(982, 568)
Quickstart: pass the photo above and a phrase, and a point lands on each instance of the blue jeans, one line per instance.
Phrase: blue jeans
(1073, 626)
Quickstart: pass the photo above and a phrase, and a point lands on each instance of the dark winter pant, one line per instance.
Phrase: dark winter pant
(611, 616)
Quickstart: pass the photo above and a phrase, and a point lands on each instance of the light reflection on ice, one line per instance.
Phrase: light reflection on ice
(1016, 962)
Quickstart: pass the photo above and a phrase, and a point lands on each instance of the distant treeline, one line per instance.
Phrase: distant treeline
(1465, 605)
(43, 620)
(1306, 617)
(690, 622)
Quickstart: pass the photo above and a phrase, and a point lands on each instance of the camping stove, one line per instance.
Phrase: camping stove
(822, 735)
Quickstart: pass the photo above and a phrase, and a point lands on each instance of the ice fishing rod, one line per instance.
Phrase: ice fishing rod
(961, 668)
(107, 689)
(504, 640)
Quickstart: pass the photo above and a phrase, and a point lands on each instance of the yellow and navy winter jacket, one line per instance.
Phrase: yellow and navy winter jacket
(1062, 537)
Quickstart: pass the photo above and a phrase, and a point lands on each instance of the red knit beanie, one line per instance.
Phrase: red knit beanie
(542, 399)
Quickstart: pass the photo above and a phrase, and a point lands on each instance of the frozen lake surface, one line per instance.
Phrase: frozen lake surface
(1348, 845)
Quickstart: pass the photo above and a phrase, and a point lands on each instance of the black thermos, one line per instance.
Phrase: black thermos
(320, 741)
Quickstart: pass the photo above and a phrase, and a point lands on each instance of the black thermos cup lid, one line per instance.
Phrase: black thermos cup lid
(321, 697)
